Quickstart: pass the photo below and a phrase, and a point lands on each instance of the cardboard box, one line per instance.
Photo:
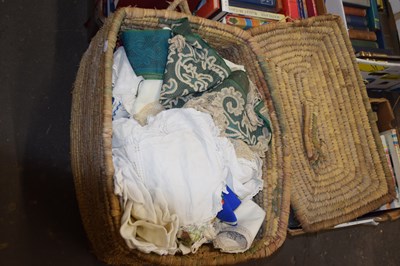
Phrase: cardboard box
(384, 112)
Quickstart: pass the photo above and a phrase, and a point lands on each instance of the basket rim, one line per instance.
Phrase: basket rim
(263, 248)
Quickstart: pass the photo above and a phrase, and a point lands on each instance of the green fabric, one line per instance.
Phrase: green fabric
(262, 111)
(192, 66)
(230, 98)
(197, 77)
(147, 51)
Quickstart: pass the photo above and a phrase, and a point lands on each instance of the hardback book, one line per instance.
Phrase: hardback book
(380, 5)
(350, 27)
(364, 3)
(209, 9)
(305, 8)
(380, 39)
(373, 16)
(275, 7)
(359, 45)
(245, 22)
(291, 8)
(268, 3)
(321, 7)
(378, 56)
(301, 8)
(311, 8)
(362, 35)
(227, 8)
(359, 50)
(356, 21)
(355, 11)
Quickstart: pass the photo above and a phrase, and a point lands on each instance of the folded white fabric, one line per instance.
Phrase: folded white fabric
(176, 158)
(157, 236)
(125, 85)
(172, 173)
(238, 238)
(149, 92)
(178, 153)
(245, 173)
(131, 93)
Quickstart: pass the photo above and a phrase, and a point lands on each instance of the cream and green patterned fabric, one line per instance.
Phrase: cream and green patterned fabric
(196, 76)
(192, 66)
(237, 111)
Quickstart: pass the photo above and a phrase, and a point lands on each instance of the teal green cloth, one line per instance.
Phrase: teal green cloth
(147, 51)
(192, 66)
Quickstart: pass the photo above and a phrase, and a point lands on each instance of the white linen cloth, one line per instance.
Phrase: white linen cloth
(149, 92)
(179, 154)
(131, 93)
(237, 239)
(125, 85)
(171, 173)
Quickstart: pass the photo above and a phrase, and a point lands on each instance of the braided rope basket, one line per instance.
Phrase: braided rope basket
(91, 133)
(258, 50)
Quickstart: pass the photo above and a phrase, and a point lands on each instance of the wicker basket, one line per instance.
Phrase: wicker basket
(325, 190)
(91, 132)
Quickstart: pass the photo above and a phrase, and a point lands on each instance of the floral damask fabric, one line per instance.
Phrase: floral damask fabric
(196, 76)
(232, 105)
(192, 66)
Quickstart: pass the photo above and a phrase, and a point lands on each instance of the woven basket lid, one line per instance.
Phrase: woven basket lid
(338, 173)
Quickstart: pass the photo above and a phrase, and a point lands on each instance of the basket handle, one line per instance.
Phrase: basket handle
(312, 144)
(183, 6)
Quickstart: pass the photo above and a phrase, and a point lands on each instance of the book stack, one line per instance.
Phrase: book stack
(298, 9)
(362, 21)
(307, 8)
(251, 13)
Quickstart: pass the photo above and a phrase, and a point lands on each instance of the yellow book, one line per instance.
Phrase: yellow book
(380, 4)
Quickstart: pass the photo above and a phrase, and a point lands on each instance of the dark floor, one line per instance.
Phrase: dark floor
(41, 43)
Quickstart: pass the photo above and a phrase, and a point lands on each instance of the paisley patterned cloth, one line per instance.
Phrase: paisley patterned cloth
(192, 66)
(147, 51)
(232, 106)
(196, 76)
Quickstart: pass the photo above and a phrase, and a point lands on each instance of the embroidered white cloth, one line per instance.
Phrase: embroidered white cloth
(125, 85)
(171, 173)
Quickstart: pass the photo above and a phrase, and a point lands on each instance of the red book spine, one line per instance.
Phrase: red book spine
(311, 8)
(209, 8)
(362, 35)
(361, 12)
(291, 9)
